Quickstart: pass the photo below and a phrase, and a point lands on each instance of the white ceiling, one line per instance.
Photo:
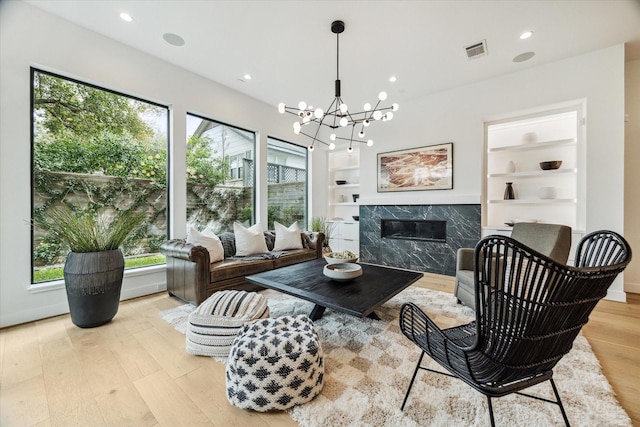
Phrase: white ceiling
(288, 48)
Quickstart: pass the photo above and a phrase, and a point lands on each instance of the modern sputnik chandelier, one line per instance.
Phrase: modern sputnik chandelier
(338, 115)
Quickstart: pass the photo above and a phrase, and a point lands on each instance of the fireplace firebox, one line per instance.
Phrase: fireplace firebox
(411, 229)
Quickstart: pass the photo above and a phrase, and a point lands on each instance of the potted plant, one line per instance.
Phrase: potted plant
(320, 224)
(94, 268)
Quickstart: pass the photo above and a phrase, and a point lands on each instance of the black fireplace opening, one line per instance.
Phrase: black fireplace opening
(412, 229)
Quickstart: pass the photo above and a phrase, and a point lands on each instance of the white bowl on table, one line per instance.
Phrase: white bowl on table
(342, 271)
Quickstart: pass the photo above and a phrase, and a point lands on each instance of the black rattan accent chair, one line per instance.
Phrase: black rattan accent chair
(529, 310)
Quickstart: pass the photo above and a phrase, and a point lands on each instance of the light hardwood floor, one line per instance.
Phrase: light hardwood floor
(134, 371)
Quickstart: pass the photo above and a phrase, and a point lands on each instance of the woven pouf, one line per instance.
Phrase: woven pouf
(213, 326)
(275, 364)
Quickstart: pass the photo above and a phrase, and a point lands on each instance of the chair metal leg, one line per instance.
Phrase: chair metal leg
(493, 421)
(564, 414)
(406, 396)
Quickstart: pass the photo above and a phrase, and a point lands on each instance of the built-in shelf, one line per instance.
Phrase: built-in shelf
(534, 145)
(532, 201)
(335, 186)
(533, 174)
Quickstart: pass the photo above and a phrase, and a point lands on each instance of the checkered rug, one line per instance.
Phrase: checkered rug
(368, 365)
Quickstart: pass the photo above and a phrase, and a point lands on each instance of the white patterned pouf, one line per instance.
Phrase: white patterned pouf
(275, 364)
(213, 326)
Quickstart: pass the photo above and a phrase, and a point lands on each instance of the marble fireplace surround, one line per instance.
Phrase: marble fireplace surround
(463, 231)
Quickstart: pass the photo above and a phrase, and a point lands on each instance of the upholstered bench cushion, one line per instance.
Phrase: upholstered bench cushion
(213, 326)
(275, 364)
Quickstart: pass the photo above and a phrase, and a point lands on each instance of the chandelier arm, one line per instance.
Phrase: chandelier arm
(314, 139)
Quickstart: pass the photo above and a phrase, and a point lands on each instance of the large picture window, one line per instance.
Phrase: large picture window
(220, 174)
(286, 183)
(97, 150)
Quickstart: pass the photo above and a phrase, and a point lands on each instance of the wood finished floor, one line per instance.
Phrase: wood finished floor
(134, 371)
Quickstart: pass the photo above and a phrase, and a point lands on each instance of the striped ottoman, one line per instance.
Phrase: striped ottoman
(213, 326)
(275, 364)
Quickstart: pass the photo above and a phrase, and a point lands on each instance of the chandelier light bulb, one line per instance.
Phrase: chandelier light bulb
(366, 122)
(343, 108)
(367, 107)
(395, 107)
(311, 147)
(318, 113)
(302, 105)
(281, 108)
(389, 115)
(332, 146)
(377, 115)
(361, 134)
(382, 96)
(344, 121)
(370, 143)
(306, 120)
(332, 137)
(296, 127)
(350, 149)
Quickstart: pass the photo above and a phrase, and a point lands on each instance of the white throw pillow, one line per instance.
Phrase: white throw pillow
(209, 240)
(249, 241)
(287, 238)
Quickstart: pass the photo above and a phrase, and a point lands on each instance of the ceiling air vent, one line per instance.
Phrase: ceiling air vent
(476, 50)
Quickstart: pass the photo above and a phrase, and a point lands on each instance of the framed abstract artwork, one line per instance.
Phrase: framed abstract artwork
(416, 169)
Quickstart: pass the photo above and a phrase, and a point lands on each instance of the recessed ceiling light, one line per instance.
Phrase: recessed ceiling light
(126, 17)
(247, 76)
(523, 57)
(526, 35)
(173, 39)
(393, 79)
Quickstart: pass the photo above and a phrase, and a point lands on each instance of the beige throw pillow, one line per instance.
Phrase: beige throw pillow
(249, 241)
(287, 237)
(209, 240)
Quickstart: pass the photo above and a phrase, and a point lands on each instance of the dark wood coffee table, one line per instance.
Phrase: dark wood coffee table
(358, 297)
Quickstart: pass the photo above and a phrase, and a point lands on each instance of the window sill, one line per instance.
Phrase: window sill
(36, 288)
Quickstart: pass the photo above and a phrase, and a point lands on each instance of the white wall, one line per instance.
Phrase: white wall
(31, 37)
(632, 172)
(458, 115)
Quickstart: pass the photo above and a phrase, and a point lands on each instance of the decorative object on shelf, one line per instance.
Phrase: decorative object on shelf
(509, 194)
(550, 165)
(355, 217)
(338, 114)
(341, 182)
(355, 197)
(342, 272)
(547, 192)
(530, 138)
(510, 167)
(424, 168)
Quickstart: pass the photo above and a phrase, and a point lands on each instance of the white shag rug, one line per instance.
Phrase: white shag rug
(369, 363)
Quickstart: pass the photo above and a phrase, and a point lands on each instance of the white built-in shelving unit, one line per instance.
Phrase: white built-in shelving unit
(514, 147)
(346, 167)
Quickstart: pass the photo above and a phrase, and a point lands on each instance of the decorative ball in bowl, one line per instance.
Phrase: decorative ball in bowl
(342, 272)
(340, 257)
(550, 165)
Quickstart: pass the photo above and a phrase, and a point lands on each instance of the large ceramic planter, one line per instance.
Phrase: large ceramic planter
(93, 281)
